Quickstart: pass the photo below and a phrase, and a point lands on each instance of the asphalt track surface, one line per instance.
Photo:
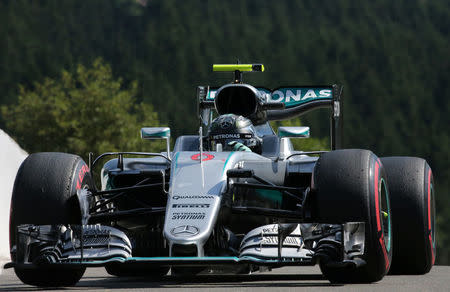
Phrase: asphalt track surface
(284, 279)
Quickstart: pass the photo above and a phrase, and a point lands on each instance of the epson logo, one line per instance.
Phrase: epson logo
(190, 206)
(176, 197)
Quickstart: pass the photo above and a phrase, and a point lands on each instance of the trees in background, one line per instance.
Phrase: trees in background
(81, 112)
(391, 56)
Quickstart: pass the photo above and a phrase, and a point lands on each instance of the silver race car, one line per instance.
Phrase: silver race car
(237, 198)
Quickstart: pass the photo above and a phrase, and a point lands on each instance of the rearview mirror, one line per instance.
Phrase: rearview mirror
(157, 133)
(293, 132)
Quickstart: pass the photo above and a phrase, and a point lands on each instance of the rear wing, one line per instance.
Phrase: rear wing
(288, 102)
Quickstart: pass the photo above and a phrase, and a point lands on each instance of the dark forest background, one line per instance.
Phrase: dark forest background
(393, 58)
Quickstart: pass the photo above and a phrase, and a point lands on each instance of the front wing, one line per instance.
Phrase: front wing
(303, 246)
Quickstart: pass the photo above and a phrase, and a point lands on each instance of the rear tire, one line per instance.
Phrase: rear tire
(45, 194)
(350, 186)
(413, 212)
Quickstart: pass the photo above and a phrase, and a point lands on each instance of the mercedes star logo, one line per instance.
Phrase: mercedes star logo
(184, 231)
(226, 123)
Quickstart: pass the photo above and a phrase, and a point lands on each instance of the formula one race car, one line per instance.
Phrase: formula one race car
(235, 200)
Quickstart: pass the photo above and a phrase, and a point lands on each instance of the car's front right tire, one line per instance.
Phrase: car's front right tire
(45, 194)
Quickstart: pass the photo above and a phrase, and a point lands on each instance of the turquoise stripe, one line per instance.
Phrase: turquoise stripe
(236, 259)
(176, 161)
(182, 259)
(226, 161)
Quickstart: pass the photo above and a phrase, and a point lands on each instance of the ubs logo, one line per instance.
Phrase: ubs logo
(184, 231)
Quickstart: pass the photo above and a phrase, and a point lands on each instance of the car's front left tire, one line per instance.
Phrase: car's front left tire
(350, 185)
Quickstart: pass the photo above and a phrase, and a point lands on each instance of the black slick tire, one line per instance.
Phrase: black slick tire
(44, 194)
(413, 214)
(350, 186)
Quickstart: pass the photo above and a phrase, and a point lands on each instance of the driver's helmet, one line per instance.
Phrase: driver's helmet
(231, 130)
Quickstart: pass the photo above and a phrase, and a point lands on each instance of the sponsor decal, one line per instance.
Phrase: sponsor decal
(274, 240)
(290, 96)
(188, 216)
(298, 95)
(177, 197)
(232, 136)
(84, 169)
(226, 123)
(273, 229)
(184, 231)
(377, 184)
(205, 157)
(190, 205)
(336, 109)
(226, 136)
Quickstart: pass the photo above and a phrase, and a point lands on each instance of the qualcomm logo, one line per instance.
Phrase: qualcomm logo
(184, 231)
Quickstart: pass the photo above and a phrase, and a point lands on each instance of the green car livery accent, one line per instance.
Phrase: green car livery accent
(290, 96)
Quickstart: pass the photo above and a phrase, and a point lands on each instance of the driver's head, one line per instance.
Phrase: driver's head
(229, 130)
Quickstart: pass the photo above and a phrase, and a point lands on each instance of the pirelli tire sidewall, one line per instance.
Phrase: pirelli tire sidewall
(350, 185)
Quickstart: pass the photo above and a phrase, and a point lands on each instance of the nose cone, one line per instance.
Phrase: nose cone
(194, 198)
